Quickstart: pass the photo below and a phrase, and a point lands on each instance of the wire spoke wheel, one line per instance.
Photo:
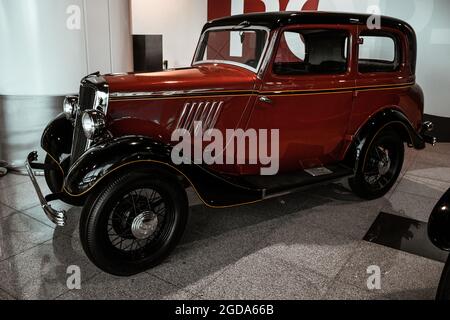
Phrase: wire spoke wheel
(134, 223)
(381, 166)
(138, 221)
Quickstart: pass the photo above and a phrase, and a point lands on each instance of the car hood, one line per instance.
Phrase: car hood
(205, 77)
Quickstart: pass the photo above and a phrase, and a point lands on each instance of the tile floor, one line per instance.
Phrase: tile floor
(300, 246)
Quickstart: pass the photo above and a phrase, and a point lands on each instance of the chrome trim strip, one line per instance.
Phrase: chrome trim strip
(268, 55)
(168, 94)
(205, 112)
(211, 94)
(216, 115)
(182, 116)
(237, 64)
(198, 114)
(191, 118)
(210, 117)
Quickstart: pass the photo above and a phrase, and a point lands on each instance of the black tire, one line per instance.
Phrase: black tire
(110, 219)
(380, 165)
(443, 293)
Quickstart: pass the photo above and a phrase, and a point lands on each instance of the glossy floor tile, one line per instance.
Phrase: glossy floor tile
(411, 205)
(41, 273)
(344, 291)
(19, 233)
(263, 277)
(140, 287)
(403, 276)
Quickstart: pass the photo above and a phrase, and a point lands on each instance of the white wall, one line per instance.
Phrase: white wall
(41, 56)
(179, 21)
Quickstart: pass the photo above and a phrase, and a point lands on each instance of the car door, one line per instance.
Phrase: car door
(383, 76)
(307, 94)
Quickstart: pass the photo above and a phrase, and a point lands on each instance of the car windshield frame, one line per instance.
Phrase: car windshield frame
(232, 28)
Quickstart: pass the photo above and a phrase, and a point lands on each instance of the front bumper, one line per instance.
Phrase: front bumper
(58, 217)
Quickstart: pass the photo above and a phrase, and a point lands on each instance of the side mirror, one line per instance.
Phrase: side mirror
(439, 223)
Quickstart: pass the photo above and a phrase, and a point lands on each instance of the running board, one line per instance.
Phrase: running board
(296, 180)
(224, 191)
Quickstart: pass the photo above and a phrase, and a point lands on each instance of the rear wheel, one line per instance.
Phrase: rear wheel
(380, 166)
(134, 223)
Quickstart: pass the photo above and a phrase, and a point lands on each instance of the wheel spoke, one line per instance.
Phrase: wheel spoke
(136, 211)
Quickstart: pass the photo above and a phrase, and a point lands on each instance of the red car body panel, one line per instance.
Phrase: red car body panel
(317, 116)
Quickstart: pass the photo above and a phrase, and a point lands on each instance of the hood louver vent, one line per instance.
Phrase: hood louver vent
(205, 112)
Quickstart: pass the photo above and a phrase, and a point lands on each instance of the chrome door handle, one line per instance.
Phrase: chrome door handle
(265, 99)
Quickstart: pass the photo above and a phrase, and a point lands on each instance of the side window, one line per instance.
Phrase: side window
(378, 53)
(303, 52)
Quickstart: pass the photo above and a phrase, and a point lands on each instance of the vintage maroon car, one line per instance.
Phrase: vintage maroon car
(341, 94)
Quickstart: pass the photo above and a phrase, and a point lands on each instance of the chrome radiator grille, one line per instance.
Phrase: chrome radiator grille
(80, 142)
(205, 112)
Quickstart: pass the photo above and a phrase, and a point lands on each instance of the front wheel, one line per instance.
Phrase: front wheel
(380, 166)
(134, 223)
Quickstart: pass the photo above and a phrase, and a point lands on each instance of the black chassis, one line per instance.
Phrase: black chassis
(115, 154)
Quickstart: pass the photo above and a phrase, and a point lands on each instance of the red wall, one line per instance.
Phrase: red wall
(222, 8)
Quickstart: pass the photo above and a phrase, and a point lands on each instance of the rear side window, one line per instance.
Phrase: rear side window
(378, 53)
(302, 52)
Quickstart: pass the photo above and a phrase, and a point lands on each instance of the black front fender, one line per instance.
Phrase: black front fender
(57, 137)
(119, 155)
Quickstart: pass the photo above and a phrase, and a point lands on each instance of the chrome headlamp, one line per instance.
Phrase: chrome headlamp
(70, 106)
(93, 123)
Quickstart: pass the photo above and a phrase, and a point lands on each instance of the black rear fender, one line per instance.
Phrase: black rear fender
(385, 120)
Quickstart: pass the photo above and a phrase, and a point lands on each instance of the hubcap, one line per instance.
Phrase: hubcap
(144, 225)
(385, 163)
(382, 165)
(139, 220)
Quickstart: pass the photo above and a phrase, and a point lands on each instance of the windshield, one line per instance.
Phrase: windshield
(244, 47)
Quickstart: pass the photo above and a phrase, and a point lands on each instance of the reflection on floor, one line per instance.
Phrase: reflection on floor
(306, 245)
(405, 234)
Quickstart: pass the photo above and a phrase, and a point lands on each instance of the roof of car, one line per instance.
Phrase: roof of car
(274, 20)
